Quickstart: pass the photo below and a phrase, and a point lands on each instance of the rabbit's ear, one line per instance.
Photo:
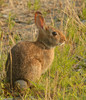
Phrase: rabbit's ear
(39, 20)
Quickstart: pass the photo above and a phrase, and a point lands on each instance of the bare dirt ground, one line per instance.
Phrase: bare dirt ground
(24, 17)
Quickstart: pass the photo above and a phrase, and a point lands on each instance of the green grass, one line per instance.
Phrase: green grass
(66, 79)
(1, 2)
(83, 14)
(35, 6)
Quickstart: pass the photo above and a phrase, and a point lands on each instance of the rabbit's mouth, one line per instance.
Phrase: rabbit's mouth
(61, 43)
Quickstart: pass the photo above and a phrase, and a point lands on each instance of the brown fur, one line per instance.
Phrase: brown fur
(31, 59)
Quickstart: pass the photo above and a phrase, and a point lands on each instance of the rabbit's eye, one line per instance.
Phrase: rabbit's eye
(54, 33)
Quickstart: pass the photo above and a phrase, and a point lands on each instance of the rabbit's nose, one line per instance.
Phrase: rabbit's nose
(63, 39)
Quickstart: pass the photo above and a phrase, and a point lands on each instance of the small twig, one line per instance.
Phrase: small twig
(11, 69)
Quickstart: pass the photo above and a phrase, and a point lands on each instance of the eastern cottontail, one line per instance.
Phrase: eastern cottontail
(28, 60)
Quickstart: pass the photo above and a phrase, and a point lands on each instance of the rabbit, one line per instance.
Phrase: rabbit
(27, 61)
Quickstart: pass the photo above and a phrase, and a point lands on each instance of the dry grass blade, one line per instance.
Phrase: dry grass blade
(11, 68)
(11, 3)
(46, 91)
(71, 13)
(12, 39)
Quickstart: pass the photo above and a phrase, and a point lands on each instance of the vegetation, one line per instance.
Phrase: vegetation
(1, 2)
(66, 79)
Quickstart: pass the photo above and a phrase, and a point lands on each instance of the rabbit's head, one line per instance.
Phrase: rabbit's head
(48, 35)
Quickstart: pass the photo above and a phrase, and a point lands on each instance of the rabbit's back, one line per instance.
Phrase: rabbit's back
(25, 57)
